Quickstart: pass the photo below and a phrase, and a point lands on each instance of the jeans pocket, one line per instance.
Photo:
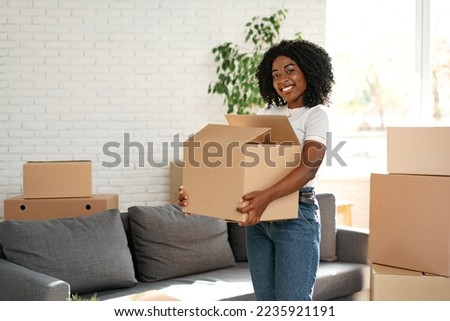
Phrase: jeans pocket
(309, 213)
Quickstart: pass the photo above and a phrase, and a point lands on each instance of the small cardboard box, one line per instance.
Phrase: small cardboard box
(54, 179)
(394, 284)
(410, 222)
(224, 162)
(418, 150)
(19, 208)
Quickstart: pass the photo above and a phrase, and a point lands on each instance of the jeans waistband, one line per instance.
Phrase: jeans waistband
(307, 195)
(306, 189)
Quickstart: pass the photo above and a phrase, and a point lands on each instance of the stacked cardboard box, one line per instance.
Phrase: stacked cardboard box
(409, 241)
(57, 189)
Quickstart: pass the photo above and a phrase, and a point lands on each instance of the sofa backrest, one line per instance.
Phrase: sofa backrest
(327, 206)
(2, 256)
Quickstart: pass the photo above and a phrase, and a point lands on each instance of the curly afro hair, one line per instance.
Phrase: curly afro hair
(315, 64)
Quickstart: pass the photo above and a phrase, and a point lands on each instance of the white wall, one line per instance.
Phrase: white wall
(75, 75)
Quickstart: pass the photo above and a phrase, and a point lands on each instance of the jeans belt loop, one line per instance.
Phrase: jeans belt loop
(307, 197)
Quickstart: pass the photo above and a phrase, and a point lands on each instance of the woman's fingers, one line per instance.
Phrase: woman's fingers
(182, 197)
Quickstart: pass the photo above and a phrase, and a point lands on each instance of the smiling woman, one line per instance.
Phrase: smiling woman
(294, 75)
(284, 254)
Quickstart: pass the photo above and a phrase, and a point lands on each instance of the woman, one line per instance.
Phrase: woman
(295, 79)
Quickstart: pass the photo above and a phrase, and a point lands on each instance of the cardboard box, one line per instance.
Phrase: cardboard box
(394, 284)
(410, 222)
(418, 150)
(54, 179)
(224, 162)
(19, 208)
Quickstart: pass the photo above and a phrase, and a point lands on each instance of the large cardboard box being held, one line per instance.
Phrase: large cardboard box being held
(394, 284)
(224, 162)
(54, 179)
(410, 222)
(418, 150)
(19, 208)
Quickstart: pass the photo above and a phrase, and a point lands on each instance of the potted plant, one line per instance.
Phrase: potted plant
(236, 66)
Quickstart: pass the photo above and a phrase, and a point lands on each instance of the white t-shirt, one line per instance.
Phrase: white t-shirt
(308, 123)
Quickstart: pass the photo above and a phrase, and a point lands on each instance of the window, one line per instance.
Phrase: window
(392, 68)
(440, 60)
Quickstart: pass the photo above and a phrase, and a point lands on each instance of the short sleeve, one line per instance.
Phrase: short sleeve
(317, 125)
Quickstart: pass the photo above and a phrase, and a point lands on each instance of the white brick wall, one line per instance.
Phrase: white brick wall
(75, 75)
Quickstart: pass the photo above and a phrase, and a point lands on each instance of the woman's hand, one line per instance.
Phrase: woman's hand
(254, 204)
(183, 198)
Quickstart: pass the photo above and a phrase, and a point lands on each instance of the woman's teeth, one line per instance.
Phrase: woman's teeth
(285, 89)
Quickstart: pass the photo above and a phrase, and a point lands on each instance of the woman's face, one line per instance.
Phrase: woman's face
(288, 81)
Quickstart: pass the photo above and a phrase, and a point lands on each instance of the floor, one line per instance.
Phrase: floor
(359, 296)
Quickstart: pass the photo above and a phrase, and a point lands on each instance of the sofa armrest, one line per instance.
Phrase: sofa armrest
(352, 244)
(21, 284)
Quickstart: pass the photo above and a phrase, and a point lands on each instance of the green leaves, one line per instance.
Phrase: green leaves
(236, 66)
(77, 297)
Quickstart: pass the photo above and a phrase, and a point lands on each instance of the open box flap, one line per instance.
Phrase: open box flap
(225, 134)
(281, 130)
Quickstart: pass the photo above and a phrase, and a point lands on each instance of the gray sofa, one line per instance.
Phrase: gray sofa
(115, 255)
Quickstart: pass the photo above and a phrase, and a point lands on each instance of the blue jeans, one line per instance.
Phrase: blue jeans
(284, 256)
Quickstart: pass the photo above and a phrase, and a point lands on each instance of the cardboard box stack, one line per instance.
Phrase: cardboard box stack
(409, 240)
(57, 189)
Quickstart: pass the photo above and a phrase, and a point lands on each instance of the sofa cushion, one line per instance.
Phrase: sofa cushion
(327, 205)
(168, 244)
(89, 252)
